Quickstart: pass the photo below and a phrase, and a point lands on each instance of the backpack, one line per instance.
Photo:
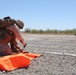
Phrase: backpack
(5, 23)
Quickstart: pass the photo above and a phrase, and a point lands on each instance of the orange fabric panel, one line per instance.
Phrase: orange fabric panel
(32, 55)
(5, 65)
(15, 61)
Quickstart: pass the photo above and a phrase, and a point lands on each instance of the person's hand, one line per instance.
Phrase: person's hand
(19, 49)
(23, 42)
(25, 45)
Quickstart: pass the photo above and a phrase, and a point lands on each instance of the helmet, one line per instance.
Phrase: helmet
(8, 17)
(20, 24)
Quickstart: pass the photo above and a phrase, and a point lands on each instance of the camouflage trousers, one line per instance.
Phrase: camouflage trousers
(5, 49)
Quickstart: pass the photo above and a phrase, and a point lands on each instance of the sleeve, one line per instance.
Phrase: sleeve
(16, 32)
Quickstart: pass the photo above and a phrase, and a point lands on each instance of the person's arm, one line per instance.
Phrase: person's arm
(14, 46)
(17, 34)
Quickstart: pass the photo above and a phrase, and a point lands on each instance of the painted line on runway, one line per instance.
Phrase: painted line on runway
(58, 53)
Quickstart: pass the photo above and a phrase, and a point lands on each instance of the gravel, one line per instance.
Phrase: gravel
(58, 55)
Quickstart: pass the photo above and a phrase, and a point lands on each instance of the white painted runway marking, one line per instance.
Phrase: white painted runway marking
(58, 53)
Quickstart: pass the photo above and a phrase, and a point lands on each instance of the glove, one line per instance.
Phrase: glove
(19, 49)
(25, 45)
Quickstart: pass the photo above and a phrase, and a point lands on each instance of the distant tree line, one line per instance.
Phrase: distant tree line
(48, 31)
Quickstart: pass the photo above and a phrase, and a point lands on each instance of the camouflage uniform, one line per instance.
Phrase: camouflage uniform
(17, 35)
(4, 47)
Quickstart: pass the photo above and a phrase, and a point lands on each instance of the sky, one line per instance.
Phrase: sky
(41, 14)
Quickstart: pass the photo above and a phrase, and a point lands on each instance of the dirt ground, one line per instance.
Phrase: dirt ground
(58, 55)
